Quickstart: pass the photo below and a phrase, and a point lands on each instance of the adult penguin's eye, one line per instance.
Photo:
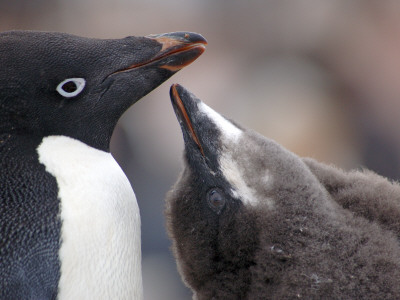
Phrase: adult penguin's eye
(216, 200)
(71, 87)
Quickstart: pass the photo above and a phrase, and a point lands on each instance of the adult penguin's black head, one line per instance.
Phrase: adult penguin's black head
(61, 84)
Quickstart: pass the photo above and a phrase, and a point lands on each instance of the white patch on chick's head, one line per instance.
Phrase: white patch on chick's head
(231, 139)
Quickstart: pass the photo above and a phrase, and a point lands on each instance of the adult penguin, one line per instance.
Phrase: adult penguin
(69, 220)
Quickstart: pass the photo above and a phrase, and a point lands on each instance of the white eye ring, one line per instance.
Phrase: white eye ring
(71, 87)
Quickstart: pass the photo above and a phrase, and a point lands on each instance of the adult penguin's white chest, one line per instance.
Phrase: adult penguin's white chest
(100, 251)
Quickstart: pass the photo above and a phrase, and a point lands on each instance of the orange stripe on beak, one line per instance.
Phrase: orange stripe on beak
(185, 116)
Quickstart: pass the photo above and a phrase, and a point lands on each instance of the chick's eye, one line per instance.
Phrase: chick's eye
(71, 87)
(216, 200)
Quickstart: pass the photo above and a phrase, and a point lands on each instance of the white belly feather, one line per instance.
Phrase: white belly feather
(100, 236)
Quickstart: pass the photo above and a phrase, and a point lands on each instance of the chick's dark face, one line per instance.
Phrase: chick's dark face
(207, 217)
(211, 230)
(60, 84)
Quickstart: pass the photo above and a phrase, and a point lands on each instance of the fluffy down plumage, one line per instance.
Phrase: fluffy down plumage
(251, 220)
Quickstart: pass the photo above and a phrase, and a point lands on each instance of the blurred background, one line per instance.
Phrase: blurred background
(320, 77)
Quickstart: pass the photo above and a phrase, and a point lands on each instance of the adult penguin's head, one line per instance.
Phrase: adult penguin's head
(61, 84)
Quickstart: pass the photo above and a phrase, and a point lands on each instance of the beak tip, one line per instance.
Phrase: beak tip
(174, 86)
(182, 36)
(172, 90)
(177, 91)
(193, 37)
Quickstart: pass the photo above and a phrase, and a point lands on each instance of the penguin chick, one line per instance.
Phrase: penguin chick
(250, 220)
(69, 220)
(364, 193)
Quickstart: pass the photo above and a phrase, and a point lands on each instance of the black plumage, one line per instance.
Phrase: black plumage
(59, 84)
(251, 220)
